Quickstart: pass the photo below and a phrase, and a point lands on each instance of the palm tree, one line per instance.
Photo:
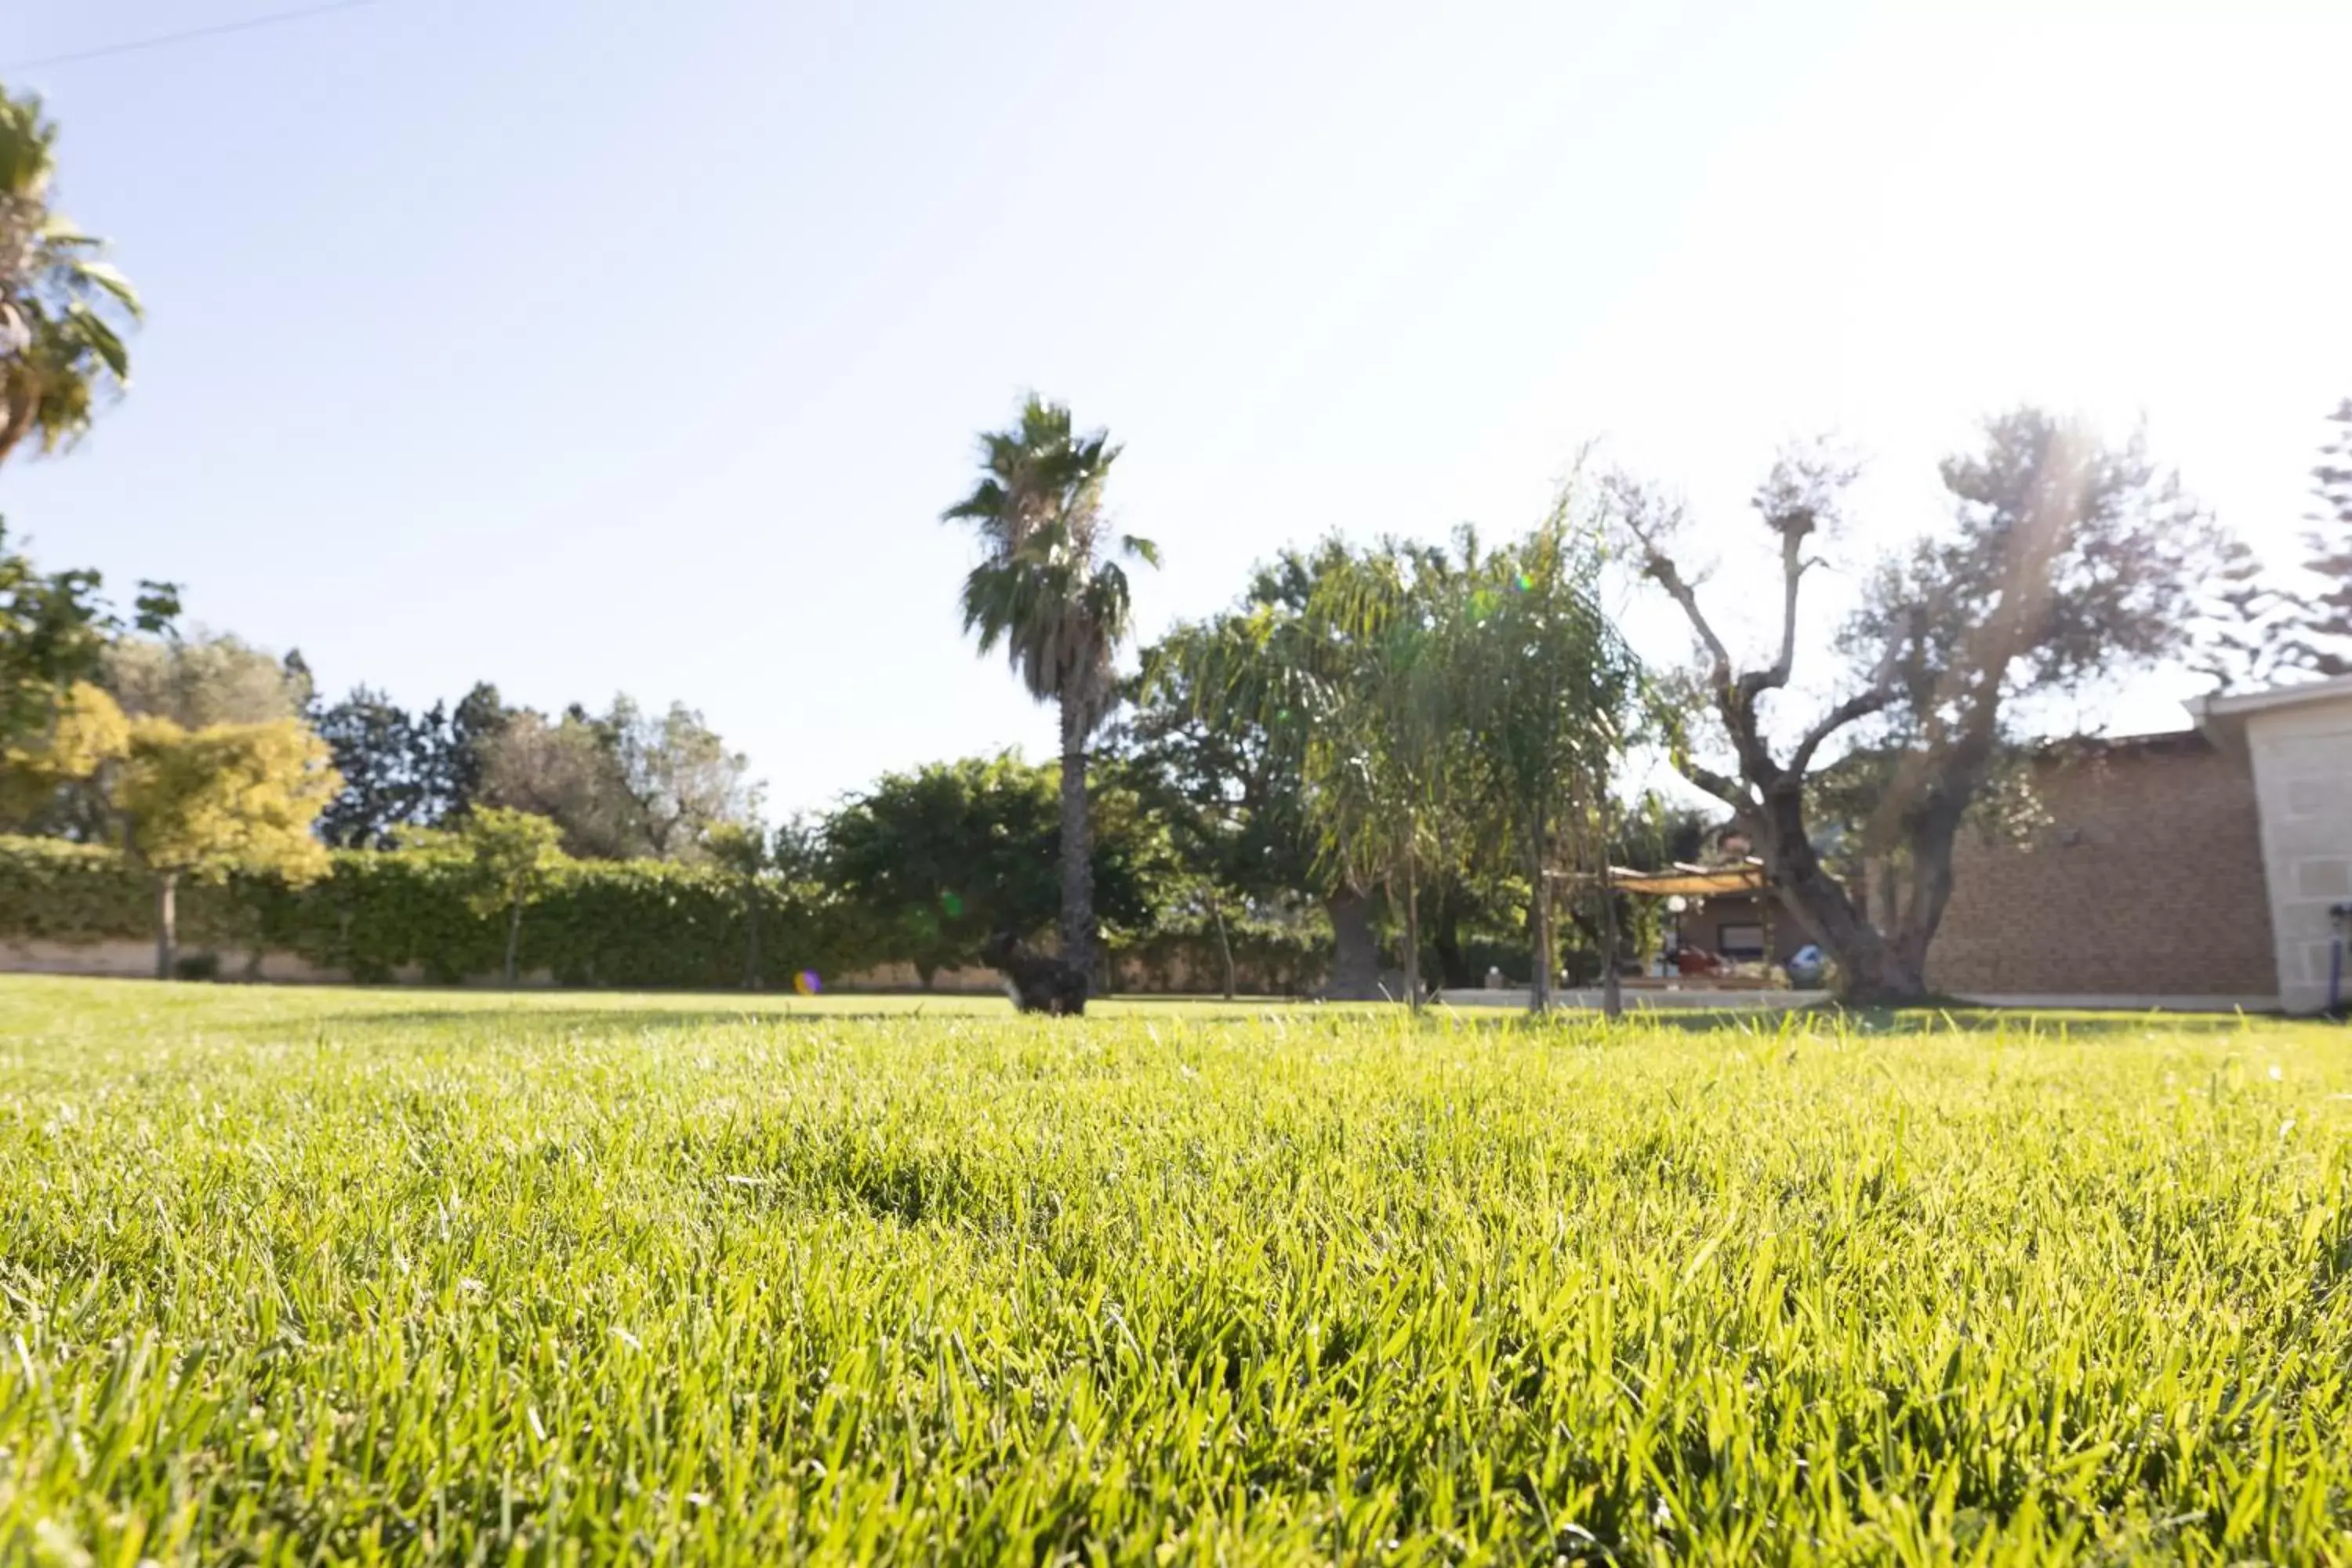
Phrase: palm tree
(1050, 591)
(59, 350)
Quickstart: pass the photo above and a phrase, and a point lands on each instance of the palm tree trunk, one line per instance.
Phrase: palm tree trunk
(514, 941)
(167, 923)
(1077, 850)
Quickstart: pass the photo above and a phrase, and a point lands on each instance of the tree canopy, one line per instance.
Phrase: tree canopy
(64, 308)
(2068, 560)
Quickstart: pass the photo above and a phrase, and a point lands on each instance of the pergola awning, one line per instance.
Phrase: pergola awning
(1690, 881)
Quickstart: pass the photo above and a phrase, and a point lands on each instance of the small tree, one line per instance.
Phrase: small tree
(201, 805)
(514, 857)
(1550, 693)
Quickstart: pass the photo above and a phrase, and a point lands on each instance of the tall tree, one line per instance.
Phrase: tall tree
(2068, 561)
(375, 747)
(1384, 747)
(453, 744)
(566, 771)
(204, 678)
(1227, 706)
(1051, 592)
(63, 307)
(2325, 645)
(2249, 629)
(678, 775)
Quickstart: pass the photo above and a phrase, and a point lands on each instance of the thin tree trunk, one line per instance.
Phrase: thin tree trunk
(1539, 980)
(1446, 939)
(1224, 947)
(751, 924)
(514, 941)
(167, 923)
(1355, 958)
(1612, 993)
(1412, 932)
(1078, 851)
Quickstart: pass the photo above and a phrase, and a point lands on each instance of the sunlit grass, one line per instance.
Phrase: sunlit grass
(289, 1275)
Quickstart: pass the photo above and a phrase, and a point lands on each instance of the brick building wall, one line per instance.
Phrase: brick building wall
(2148, 881)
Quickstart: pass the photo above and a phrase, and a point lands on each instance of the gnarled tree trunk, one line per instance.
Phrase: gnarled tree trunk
(1871, 968)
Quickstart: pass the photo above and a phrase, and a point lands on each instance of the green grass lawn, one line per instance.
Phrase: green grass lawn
(296, 1275)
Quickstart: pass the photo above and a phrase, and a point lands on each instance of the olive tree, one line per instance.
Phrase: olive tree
(2068, 560)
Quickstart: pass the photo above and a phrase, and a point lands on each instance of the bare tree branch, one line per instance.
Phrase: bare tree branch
(1792, 531)
(1882, 690)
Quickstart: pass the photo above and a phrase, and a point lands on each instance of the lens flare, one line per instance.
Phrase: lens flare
(807, 984)
(952, 905)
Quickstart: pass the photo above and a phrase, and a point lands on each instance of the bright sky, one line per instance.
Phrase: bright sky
(603, 345)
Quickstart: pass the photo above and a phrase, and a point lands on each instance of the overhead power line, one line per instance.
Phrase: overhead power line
(162, 40)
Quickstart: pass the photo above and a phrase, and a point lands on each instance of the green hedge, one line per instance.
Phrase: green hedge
(608, 923)
(605, 923)
(1268, 960)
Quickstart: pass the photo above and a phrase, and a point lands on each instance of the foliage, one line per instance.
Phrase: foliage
(1547, 694)
(53, 890)
(54, 780)
(204, 678)
(2325, 643)
(426, 1278)
(376, 745)
(2249, 629)
(378, 915)
(63, 307)
(512, 859)
(403, 770)
(1050, 589)
(678, 775)
(621, 786)
(54, 632)
(929, 864)
(2069, 560)
(227, 798)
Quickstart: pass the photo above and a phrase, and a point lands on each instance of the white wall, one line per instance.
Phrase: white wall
(2303, 774)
